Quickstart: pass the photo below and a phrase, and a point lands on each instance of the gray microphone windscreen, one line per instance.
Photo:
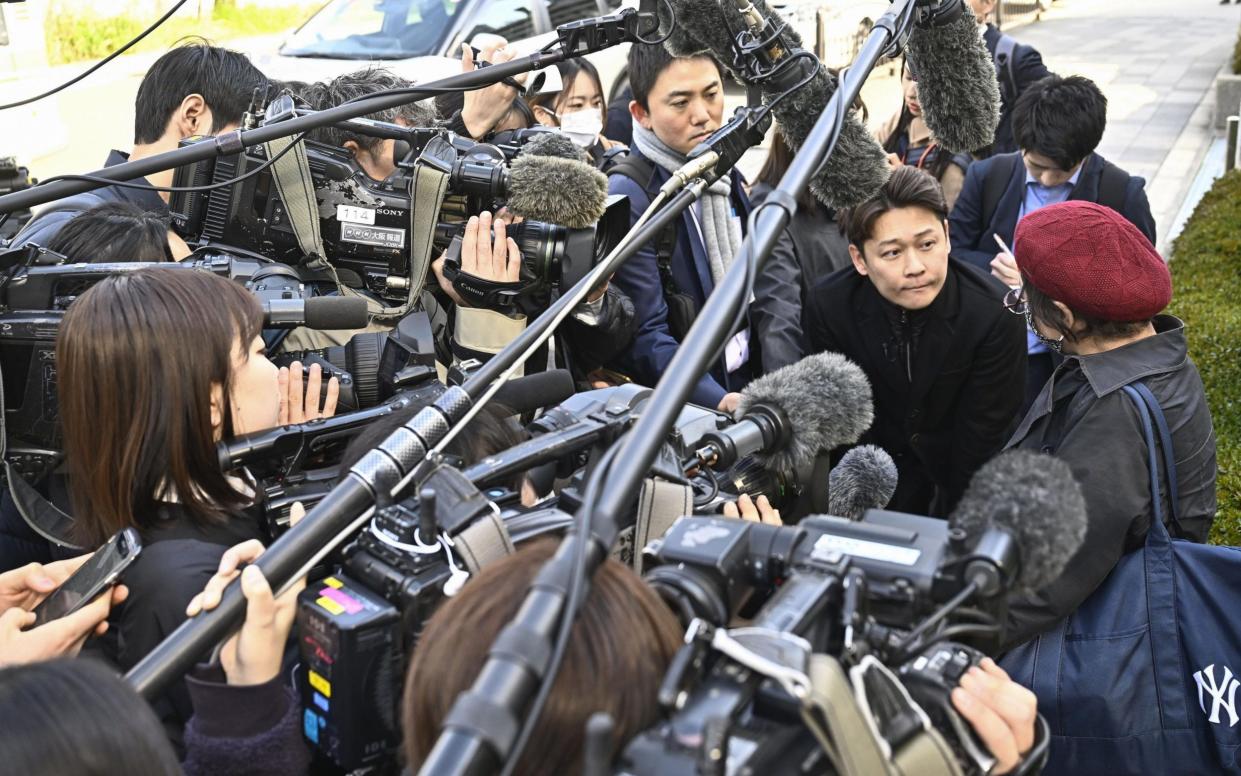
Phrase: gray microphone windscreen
(956, 83)
(827, 401)
(865, 478)
(559, 191)
(857, 168)
(1036, 499)
(555, 144)
(336, 312)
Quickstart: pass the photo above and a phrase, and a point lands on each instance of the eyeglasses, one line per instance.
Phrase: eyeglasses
(1015, 301)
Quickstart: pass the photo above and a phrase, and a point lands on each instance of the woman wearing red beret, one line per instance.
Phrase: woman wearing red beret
(1094, 289)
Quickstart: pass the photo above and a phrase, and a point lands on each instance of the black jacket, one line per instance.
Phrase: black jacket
(968, 376)
(177, 559)
(47, 223)
(815, 240)
(1027, 68)
(1084, 418)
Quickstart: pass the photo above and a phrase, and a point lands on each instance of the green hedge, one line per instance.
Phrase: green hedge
(1206, 279)
(1236, 55)
(74, 34)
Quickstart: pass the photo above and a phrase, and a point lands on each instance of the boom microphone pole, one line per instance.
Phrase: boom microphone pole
(484, 725)
(574, 39)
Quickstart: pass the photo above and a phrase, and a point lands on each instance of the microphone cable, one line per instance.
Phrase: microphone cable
(100, 63)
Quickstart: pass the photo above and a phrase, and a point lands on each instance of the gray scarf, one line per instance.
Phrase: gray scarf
(720, 231)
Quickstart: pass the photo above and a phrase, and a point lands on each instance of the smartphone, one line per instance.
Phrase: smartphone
(96, 576)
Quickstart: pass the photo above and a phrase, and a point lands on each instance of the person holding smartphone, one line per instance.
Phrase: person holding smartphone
(155, 368)
(23, 589)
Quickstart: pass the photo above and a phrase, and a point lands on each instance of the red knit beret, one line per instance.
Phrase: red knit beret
(1092, 259)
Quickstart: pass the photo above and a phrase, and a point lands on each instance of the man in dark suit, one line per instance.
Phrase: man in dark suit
(1016, 66)
(677, 103)
(1058, 123)
(946, 361)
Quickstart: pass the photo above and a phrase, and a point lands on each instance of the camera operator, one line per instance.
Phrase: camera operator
(618, 651)
(77, 718)
(598, 330)
(194, 89)
(142, 414)
(1093, 290)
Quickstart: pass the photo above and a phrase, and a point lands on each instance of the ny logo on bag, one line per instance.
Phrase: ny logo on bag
(1217, 692)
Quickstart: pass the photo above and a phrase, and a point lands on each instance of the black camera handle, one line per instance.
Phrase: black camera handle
(481, 729)
(573, 40)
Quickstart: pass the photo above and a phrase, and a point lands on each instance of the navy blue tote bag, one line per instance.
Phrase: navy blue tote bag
(1145, 677)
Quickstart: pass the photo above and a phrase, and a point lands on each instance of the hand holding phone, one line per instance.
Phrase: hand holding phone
(101, 571)
(1004, 265)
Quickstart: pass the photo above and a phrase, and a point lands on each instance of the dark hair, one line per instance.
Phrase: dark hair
(1043, 309)
(908, 187)
(779, 157)
(135, 401)
(938, 162)
(487, 433)
(76, 717)
(362, 83)
(225, 79)
(114, 231)
(645, 65)
(569, 69)
(1060, 118)
(619, 649)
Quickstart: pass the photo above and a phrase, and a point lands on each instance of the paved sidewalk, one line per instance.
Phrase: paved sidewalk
(1156, 61)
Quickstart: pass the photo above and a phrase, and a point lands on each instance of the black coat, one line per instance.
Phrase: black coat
(1027, 68)
(968, 377)
(1084, 418)
(815, 240)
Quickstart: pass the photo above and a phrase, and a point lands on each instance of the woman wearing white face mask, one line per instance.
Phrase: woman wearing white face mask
(578, 109)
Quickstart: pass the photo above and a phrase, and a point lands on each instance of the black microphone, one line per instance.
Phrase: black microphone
(865, 478)
(536, 391)
(956, 76)
(792, 414)
(318, 312)
(568, 192)
(1026, 505)
(858, 168)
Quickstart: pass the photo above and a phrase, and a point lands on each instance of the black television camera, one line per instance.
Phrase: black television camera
(13, 177)
(366, 225)
(856, 590)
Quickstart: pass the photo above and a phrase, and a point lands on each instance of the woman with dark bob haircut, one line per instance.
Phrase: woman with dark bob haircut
(118, 231)
(618, 651)
(156, 367)
(1094, 290)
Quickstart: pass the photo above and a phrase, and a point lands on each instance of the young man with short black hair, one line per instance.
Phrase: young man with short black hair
(194, 89)
(945, 360)
(1057, 123)
(677, 103)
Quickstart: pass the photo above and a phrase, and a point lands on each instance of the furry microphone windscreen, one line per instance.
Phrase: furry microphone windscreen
(827, 401)
(956, 83)
(555, 144)
(865, 478)
(857, 169)
(559, 191)
(1036, 499)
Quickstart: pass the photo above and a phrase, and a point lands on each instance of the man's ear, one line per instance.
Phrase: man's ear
(192, 117)
(639, 114)
(859, 261)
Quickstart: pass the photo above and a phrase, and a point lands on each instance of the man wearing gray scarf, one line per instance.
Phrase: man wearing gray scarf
(678, 102)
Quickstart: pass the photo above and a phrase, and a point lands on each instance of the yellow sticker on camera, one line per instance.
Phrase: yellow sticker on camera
(320, 684)
(330, 605)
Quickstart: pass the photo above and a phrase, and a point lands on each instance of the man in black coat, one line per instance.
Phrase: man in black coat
(1016, 67)
(945, 360)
